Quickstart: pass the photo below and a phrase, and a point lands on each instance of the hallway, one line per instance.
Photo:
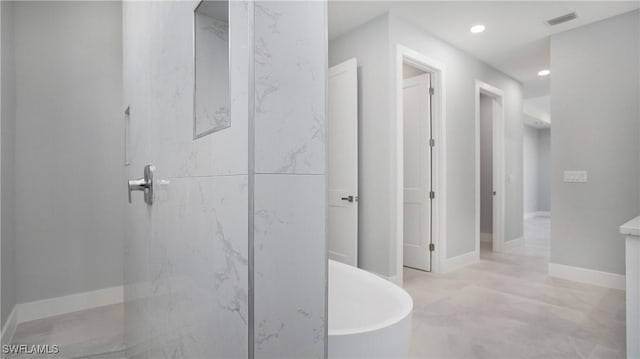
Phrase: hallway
(506, 306)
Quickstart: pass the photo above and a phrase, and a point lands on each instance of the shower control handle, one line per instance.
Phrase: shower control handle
(350, 198)
(144, 184)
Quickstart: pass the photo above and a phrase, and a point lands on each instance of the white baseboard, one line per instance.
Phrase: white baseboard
(461, 261)
(537, 214)
(588, 276)
(68, 304)
(514, 243)
(9, 326)
(486, 237)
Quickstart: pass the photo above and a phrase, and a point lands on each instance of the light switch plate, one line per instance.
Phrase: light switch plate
(575, 176)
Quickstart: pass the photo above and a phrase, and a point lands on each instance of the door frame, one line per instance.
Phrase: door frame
(498, 164)
(437, 70)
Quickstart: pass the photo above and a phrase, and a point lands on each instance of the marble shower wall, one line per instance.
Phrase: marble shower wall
(187, 259)
(186, 256)
(290, 190)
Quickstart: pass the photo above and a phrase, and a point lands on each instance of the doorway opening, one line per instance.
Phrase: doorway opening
(490, 176)
(343, 162)
(417, 166)
(487, 191)
(420, 166)
(536, 165)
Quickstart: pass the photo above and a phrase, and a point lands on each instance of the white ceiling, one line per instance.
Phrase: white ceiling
(516, 39)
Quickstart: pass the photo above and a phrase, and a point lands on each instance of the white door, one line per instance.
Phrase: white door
(343, 162)
(417, 172)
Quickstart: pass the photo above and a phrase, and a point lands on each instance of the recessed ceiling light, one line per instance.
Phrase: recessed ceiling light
(543, 72)
(476, 29)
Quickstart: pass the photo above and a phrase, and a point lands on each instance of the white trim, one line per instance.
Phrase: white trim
(461, 261)
(498, 164)
(589, 276)
(68, 304)
(437, 71)
(9, 327)
(537, 214)
(514, 243)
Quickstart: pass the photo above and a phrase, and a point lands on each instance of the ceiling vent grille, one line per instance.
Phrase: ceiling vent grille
(562, 19)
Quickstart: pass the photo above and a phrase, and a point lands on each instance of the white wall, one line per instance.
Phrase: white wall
(8, 132)
(595, 111)
(377, 222)
(486, 164)
(69, 191)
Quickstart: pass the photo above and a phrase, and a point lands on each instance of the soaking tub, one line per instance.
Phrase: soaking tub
(369, 317)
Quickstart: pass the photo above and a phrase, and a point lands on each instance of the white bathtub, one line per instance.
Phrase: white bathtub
(369, 317)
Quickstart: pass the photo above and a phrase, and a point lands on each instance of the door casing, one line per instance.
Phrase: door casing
(439, 182)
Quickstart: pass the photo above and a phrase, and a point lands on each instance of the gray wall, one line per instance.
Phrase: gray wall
(377, 224)
(486, 164)
(69, 148)
(462, 70)
(8, 131)
(544, 170)
(375, 236)
(596, 126)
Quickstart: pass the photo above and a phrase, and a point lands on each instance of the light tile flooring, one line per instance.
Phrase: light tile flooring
(95, 334)
(506, 306)
(503, 307)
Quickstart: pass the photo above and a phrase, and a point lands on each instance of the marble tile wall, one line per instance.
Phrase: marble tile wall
(187, 257)
(290, 262)
(290, 62)
(199, 269)
(290, 189)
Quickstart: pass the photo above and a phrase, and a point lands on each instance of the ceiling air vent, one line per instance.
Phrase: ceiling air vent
(561, 19)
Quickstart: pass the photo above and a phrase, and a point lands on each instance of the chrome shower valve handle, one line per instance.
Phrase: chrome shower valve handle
(144, 184)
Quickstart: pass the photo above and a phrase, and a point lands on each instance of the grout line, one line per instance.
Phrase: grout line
(251, 178)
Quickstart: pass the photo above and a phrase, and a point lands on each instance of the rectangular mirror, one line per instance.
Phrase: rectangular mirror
(211, 68)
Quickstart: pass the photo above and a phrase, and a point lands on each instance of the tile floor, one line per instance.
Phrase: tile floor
(95, 334)
(506, 306)
(503, 307)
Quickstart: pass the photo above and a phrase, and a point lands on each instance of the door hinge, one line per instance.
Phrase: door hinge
(431, 91)
(432, 195)
(432, 247)
(432, 142)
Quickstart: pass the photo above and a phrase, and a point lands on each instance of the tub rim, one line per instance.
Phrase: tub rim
(397, 290)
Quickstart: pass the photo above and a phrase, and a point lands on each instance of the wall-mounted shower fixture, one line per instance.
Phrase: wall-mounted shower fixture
(144, 184)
